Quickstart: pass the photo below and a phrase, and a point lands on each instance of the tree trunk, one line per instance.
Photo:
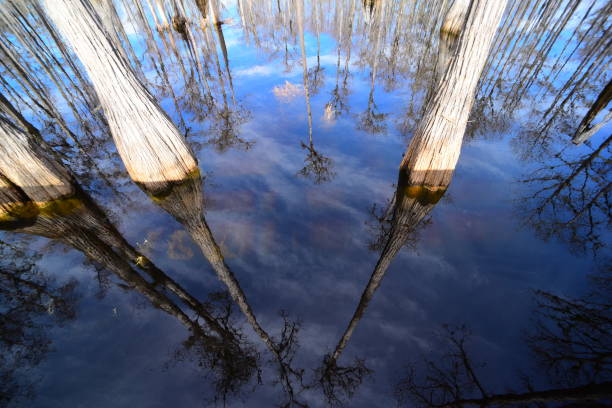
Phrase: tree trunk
(449, 38)
(580, 138)
(446, 47)
(150, 145)
(428, 166)
(434, 149)
(156, 156)
(39, 196)
(31, 170)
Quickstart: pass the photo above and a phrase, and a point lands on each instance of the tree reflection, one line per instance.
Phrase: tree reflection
(316, 78)
(339, 383)
(183, 200)
(371, 120)
(586, 129)
(225, 120)
(571, 198)
(571, 340)
(232, 355)
(338, 105)
(412, 203)
(31, 303)
(225, 126)
(317, 167)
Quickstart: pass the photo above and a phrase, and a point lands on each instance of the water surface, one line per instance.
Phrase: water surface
(299, 175)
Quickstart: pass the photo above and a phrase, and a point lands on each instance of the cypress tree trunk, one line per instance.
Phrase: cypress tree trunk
(104, 10)
(430, 161)
(156, 156)
(31, 170)
(434, 149)
(39, 196)
(585, 135)
(150, 145)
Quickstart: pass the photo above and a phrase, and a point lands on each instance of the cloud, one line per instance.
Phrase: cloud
(288, 92)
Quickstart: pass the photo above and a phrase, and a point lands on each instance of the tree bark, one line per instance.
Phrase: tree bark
(39, 196)
(31, 170)
(435, 147)
(150, 145)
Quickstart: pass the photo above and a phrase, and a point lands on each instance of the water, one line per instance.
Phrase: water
(298, 178)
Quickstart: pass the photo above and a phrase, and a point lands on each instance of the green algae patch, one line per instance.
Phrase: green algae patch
(425, 195)
(20, 215)
(159, 196)
(59, 207)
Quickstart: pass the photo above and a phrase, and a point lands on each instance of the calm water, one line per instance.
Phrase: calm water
(299, 178)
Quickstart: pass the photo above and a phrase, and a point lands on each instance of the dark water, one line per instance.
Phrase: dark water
(298, 210)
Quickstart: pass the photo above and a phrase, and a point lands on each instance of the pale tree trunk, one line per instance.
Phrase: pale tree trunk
(430, 161)
(434, 149)
(580, 138)
(156, 156)
(150, 145)
(103, 9)
(39, 196)
(32, 170)
(446, 47)
(58, 209)
(114, 27)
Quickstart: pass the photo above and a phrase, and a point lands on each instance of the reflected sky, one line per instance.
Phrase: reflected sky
(298, 149)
